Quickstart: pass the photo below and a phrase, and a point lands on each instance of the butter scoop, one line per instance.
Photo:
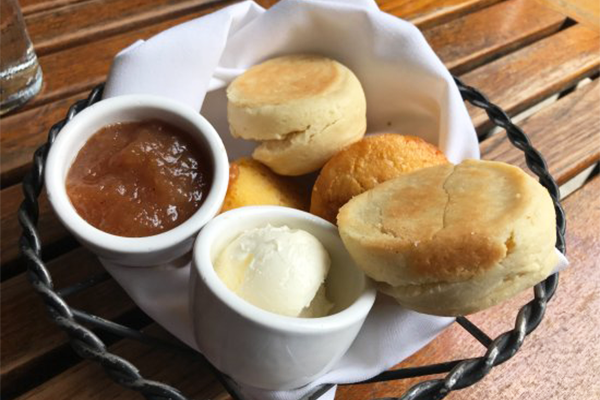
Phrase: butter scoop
(278, 269)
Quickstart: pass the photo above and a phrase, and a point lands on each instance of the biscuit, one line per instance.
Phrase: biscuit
(251, 184)
(301, 108)
(364, 165)
(453, 240)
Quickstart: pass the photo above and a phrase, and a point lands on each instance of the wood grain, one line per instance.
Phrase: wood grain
(517, 80)
(22, 134)
(558, 359)
(469, 41)
(51, 230)
(84, 22)
(33, 6)
(527, 76)
(566, 334)
(69, 78)
(427, 13)
(423, 13)
(573, 123)
(586, 12)
(87, 380)
(29, 339)
(80, 68)
(582, 103)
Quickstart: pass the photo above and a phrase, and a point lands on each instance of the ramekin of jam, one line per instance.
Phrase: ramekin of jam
(134, 178)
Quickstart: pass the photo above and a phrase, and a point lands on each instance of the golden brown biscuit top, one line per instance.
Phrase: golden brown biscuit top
(450, 222)
(284, 79)
(252, 183)
(477, 201)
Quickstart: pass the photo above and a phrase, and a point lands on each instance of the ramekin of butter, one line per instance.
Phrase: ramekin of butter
(134, 112)
(229, 299)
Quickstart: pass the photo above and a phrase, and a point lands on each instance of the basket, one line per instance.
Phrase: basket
(459, 373)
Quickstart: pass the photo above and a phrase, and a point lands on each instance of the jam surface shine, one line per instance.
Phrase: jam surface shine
(138, 179)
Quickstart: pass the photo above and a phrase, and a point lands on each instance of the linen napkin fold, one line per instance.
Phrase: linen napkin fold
(408, 90)
(407, 87)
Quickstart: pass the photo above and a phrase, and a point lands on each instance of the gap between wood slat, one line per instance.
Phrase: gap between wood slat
(529, 75)
(573, 123)
(29, 339)
(53, 235)
(586, 12)
(427, 13)
(472, 40)
(554, 349)
(82, 23)
(578, 181)
(582, 103)
(70, 77)
(517, 119)
(54, 111)
(87, 380)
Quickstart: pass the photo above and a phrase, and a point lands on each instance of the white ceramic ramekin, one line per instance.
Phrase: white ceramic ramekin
(263, 349)
(144, 251)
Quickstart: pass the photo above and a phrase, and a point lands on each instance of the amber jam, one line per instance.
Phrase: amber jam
(139, 178)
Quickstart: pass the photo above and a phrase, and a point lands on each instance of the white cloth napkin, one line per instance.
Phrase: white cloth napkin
(408, 91)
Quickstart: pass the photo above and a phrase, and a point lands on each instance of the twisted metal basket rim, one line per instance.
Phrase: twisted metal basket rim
(463, 373)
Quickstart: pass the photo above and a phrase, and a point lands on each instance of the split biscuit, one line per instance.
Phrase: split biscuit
(301, 108)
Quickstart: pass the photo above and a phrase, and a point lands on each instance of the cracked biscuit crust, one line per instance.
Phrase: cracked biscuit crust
(448, 239)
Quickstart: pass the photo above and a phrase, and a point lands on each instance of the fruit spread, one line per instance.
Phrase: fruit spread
(139, 179)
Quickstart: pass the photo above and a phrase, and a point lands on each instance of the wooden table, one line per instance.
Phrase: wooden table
(528, 56)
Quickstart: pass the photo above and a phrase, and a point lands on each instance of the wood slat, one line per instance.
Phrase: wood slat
(582, 103)
(557, 360)
(23, 133)
(33, 6)
(78, 69)
(51, 230)
(70, 76)
(84, 22)
(527, 76)
(18, 145)
(85, 384)
(29, 339)
(469, 41)
(88, 381)
(570, 123)
(562, 337)
(584, 11)
(427, 13)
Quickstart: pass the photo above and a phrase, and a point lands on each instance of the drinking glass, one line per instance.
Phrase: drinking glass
(20, 72)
